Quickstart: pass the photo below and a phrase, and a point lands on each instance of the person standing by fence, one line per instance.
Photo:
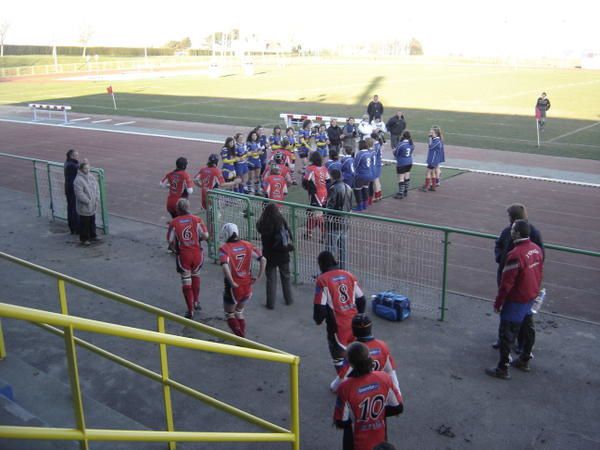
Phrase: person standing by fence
(339, 198)
(276, 245)
(70, 168)
(396, 126)
(87, 194)
(519, 286)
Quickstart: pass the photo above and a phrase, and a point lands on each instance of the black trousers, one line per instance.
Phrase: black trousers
(284, 274)
(72, 216)
(508, 334)
(87, 228)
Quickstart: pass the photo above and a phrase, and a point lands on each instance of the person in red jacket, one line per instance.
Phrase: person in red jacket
(519, 286)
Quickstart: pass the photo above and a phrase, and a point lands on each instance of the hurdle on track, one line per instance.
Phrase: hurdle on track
(297, 119)
(43, 106)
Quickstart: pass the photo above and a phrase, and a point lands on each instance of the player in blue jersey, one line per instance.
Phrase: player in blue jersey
(378, 142)
(363, 173)
(291, 148)
(275, 139)
(263, 144)
(228, 156)
(254, 164)
(435, 155)
(322, 141)
(241, 163)
(304, 136)
(404, 161)
(348, 166)
(333, 163)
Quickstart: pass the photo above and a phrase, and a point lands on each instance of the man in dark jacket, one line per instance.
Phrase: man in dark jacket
(541, 106)
(339, 198)
(375, 108)
(504, 244)
(70, 168)
(519, 286)
(396, 126)
(334, 134)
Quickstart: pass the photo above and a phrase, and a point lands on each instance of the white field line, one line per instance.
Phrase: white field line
(573, 132)
(508, 174)
(81, 119)
(211, 141)
(102, 121)
(124, 123)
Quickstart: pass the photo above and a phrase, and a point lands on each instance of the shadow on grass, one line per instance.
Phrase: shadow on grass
(477, 130)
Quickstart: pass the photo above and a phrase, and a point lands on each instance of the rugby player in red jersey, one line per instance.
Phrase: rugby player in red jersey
(235, 256)
(275, 185)
(378, 351)
(364, 401)
(184, 235)
(211, 177)
(315, 182)
(338, 298)
(179, 184)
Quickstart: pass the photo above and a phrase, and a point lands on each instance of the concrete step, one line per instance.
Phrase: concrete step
(42, 400)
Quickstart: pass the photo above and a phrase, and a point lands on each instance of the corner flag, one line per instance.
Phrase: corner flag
(109, 91)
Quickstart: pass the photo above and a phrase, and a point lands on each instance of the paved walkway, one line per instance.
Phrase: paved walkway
(450, 402)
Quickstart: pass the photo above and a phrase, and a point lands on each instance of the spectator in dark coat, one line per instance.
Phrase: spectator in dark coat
(71, 167)
(396, 126)
(272, 226)
(334, 134)
(375, 108)
(339, 198)
(504, 244)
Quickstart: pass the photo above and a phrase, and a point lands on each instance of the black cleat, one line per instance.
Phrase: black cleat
(498, 373)
(521, 365)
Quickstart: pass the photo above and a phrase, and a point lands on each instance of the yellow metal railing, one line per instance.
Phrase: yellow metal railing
(84, 434)
(68, 324)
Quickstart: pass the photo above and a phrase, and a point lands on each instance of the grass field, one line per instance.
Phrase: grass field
(476, 105)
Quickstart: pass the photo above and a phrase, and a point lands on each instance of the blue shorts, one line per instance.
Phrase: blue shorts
(241, 169)
(254, 164)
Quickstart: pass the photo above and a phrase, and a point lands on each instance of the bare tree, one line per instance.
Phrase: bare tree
(4, 26)
(84, 37)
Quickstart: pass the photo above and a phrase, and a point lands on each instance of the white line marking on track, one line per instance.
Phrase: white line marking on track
(124, 123)
(81, 119)
(573, 132)
(102, 121)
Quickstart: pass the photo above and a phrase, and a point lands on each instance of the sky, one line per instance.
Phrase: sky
(521, 28)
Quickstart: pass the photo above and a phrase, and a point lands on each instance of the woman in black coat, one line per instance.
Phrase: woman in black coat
(277, 245)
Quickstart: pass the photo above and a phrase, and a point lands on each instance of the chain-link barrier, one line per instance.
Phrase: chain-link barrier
(382, 253)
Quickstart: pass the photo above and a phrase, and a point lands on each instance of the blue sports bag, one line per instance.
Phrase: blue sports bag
(391, 306)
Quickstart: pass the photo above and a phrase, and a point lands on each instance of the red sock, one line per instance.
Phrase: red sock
(242, 324)
(426, 183)
(196, 288)
(235, 326)
(370, 200)
(189, 297)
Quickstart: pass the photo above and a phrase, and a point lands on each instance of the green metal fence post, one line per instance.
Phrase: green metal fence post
(294, 253)
(164, 366)
(50, 190)
(103, 211)
(444, 276)
(37, 190)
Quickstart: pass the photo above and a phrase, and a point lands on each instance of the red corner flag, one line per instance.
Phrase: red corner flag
(109, 90)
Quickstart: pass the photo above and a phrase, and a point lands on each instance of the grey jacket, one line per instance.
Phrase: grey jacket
(87, 194)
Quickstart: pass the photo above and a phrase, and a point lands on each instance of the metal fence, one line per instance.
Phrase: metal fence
(383, 253)
(49, 188)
